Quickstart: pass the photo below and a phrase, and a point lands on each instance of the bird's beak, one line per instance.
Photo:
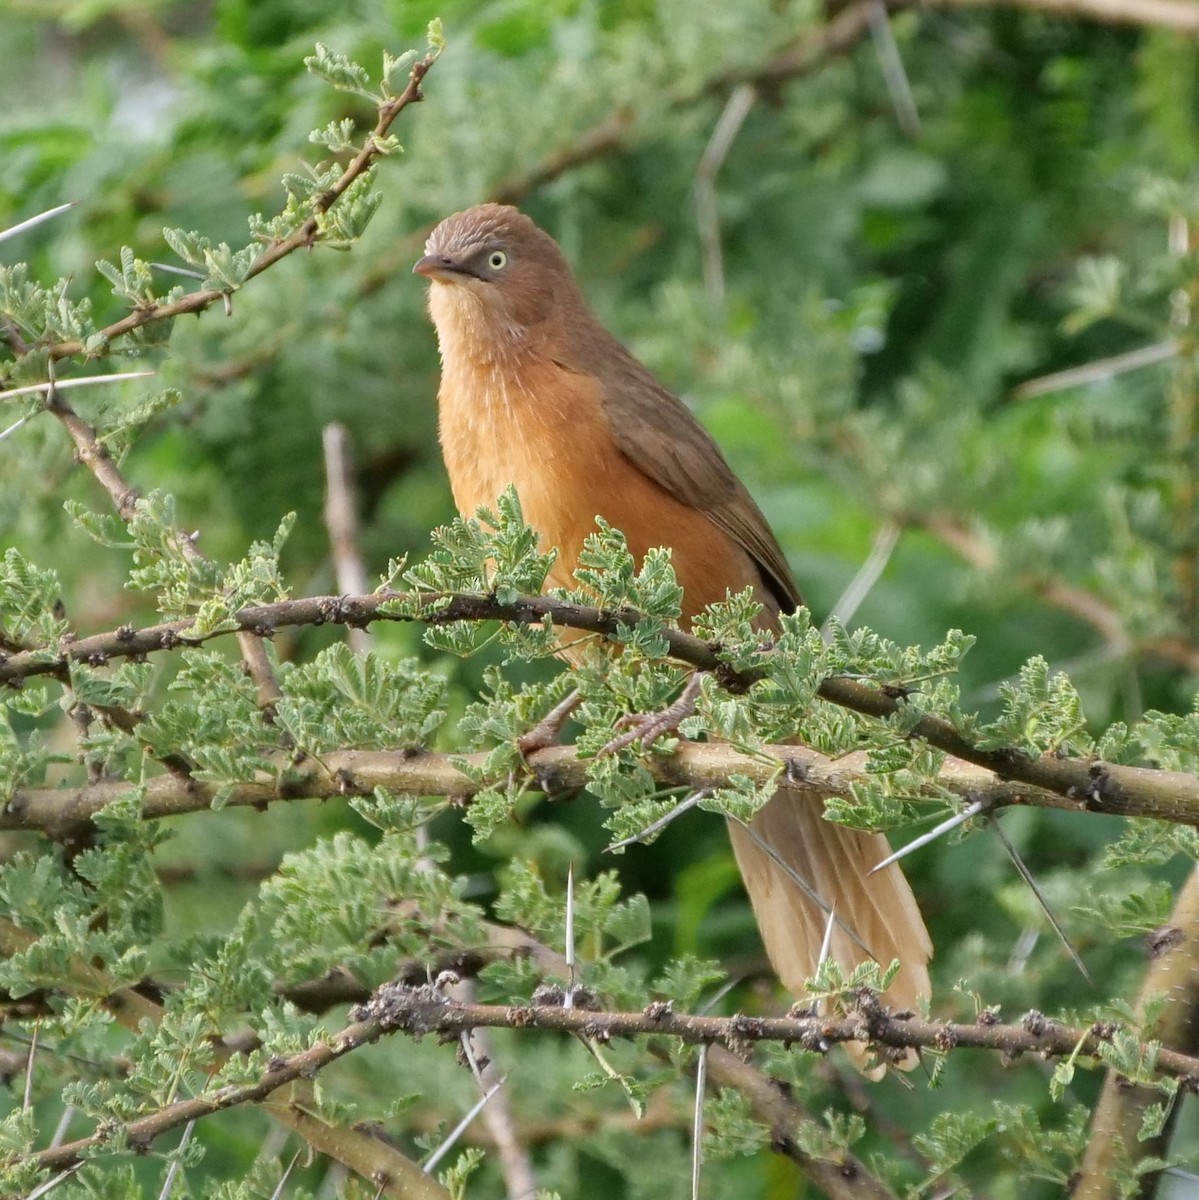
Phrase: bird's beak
(440, 267)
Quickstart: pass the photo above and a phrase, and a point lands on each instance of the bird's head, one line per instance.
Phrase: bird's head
(497, 280)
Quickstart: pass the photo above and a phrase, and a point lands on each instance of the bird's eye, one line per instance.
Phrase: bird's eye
(497, 260)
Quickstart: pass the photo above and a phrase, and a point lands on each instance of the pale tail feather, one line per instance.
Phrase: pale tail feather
(834, 861)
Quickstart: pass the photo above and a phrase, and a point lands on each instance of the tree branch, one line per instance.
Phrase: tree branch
(423, 1010)
(1086, 784)
(845, 1177)
(1115, 1128)
(63, 813)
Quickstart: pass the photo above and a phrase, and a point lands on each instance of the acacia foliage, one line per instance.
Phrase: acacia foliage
(884, 299)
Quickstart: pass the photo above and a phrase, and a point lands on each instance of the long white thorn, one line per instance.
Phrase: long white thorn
(25, 226)
(697, 1127)
(172, 270)
(1026, 875)
(661, 823)
(894, 74)
(50, 1184)
(971, 810)
(707, 219)
(295, 1158)
(460, 1129)
(176, 1162)
(569, 1001)
(719, 995)
(62, 385)
(64, 1123)
(27, 1102)
(826, 946)
(861, 585)
(13, 427)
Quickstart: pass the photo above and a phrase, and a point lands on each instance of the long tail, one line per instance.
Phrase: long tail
(834, 861)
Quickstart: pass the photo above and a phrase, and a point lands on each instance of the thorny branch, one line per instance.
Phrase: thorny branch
(64, 812)
(422, 1010)
(1116, 1127)
(1082, 783)
(844, 1177)
(305, 236)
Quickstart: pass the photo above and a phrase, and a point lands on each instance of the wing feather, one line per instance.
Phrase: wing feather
(661, 437)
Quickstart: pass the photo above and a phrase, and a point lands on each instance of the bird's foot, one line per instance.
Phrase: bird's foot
(647, 728)
(548, 730)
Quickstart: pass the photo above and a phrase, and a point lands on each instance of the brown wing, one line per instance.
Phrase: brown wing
(657, 432)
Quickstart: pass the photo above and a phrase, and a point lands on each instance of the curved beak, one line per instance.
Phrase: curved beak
(438, 266)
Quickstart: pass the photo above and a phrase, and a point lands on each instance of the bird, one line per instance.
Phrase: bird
(536, 393)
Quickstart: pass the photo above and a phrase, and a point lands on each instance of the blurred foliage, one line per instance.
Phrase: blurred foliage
(889, 303)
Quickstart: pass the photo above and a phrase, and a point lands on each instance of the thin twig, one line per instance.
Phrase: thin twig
(283, 1071)
(618, 129)
(1098, 371)
(548, 730)
(94, 454)
(358, 1149)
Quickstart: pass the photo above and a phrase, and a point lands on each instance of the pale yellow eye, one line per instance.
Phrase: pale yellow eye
(497, 260)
